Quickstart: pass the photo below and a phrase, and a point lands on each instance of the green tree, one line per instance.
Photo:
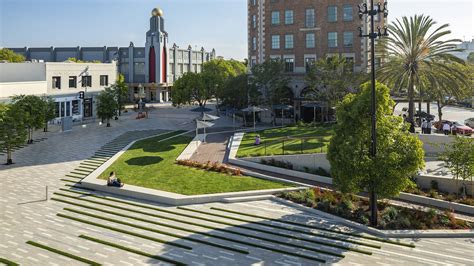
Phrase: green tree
(459, 158)
(49, 111)
(106, 105)
(13, 132)
(331, 78)
(270, 78)
(33, 107)
(190, 88)
(238, 93)
(10, 56)
(414, 48)
(120, 89)
(399, 153)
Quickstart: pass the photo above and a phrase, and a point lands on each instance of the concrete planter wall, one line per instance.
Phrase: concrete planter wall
(437, 203)
(444, 184)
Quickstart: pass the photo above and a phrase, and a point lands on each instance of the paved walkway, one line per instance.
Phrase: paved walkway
(98, 227)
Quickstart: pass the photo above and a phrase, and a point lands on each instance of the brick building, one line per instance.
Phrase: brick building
(301, 31)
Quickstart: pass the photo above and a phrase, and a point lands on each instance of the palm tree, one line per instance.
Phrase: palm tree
(415, 50)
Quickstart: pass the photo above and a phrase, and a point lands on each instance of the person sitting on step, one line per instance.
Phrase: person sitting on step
(113, 181)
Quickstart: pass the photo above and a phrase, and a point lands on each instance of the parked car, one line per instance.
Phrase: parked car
(469, 122)
(457, 129)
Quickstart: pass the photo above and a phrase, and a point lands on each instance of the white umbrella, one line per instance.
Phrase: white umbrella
(208, 117)
(203, 124)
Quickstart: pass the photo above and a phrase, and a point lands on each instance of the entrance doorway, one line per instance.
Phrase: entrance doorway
(88, 107)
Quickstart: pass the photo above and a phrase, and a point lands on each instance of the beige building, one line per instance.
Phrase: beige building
(63, 81)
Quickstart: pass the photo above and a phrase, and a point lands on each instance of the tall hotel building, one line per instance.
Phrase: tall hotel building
(301, 31)
(154, 67)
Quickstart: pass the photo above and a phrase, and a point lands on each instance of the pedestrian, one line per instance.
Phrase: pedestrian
(423, 127)
(446, 128)
(429, 125)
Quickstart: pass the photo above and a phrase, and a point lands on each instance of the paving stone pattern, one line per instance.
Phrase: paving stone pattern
(253, 233)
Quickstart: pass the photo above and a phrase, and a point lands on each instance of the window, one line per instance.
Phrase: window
(310, 40)
(310, 19)
(275, 41)
(289, 41)
(124, 68)
(104, 80)
(139, 68)
(56, 82)
(289, 17)
(332, 13)
(254, 43)
(253, 62)
(348, 39)
(56, 109)
(332, 39)
(309, 63)
(275, 17)
(289, 64)
(254, 2)
(86, 81)
(347, 13)
(72, 82)
(254, 21)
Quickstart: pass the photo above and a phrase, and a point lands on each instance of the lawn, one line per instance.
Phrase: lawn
(151, 164)
(294, 140)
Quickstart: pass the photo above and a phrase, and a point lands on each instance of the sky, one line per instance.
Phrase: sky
(219, 24)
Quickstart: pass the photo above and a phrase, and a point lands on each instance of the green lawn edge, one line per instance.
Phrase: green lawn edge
(60, 252)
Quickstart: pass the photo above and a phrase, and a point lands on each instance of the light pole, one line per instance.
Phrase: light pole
(371, 12)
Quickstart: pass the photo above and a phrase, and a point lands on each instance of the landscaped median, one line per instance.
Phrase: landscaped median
(149, 170)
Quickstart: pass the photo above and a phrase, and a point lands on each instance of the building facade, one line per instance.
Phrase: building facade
(299, 32)
(153, 67)
(61, 81)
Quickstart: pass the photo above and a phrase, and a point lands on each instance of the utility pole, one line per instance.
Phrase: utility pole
(371, 12)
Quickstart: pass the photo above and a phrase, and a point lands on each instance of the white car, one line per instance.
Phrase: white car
(469, 122)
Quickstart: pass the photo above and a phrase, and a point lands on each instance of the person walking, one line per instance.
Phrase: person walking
(423, 127)
(446, 128)
(429, 125)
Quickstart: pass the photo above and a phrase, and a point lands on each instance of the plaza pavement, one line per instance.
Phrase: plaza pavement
(270, 232)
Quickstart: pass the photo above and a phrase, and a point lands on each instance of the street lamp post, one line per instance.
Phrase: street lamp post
(371, 12)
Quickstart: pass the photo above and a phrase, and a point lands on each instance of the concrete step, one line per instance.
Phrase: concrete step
(248, 198)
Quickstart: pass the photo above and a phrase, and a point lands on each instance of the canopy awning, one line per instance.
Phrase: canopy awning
(203, 124)
(208, 117)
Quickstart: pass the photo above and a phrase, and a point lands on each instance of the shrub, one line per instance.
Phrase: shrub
(208, 166)
(280, 164)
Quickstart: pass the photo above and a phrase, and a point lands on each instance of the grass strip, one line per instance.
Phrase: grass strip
(69, 255)
(206, 219)
(106, 154)
(78, 173)
(214, 236)
(8, 262)
(293, 223)
(93, 162)
(89, 168)
(162, 232)
(131, 250)
(77, 187)
(72, 176)
(100, 158)
(67, 180)
(84, 171)
(125, 231)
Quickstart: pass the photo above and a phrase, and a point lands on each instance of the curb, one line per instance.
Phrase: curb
(383, 233)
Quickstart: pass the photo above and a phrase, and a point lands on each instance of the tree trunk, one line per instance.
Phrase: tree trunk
(30, 136)
(440, 113)
(411, 105)
(46, 126)
(108, 122)
(428, 106)
(9, 157)
(419, 110)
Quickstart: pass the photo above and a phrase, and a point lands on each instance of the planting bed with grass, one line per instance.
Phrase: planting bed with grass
(356, 208)
(436, 194)
(150, 163)
(299, 139)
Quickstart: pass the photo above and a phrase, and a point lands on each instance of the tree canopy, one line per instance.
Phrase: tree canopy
(10, 56)
(399, 153)
(417, 47)
(106, 105)
(190, 88)
(13, 131)
(33, 108)
(270, 78)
